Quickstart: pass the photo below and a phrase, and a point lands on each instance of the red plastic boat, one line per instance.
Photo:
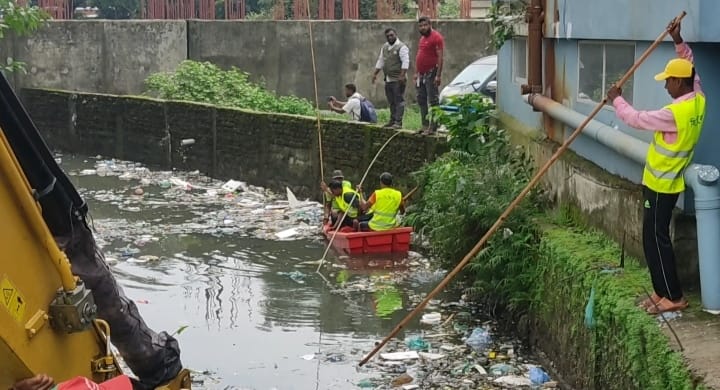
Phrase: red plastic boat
(387, 241)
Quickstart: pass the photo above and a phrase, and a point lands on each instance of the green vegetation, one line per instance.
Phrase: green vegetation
(21, 20)
(411, 119)
(206, 83)
(466, 190)
(503, 14)
(540, 266)
(625, 349)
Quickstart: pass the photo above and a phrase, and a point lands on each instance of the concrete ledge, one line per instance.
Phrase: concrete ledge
(272, 150)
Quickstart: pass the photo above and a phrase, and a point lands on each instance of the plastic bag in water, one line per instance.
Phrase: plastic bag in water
(479, 339)
(538, 376)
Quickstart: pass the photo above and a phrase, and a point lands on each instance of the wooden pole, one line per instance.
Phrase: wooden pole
(476, 249)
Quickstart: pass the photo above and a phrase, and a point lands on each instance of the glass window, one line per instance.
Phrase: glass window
(520, 59)
(602, 64)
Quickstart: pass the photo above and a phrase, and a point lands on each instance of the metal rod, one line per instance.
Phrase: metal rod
(476, 249)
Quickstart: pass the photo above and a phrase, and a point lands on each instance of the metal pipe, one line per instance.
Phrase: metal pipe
(704, 180)
(614, 139)
(534, 17)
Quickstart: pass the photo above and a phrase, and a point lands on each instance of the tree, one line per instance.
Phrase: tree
(21, 20)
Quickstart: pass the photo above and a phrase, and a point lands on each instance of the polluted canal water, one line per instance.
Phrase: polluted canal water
(229, 269)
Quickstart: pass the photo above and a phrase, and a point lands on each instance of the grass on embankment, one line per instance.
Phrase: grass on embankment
(411, 119)
(625, 348)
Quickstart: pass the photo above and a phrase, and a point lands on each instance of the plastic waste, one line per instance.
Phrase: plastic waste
(501, 369)
(296, 276)
(417, 344)
(400, 355)
(401, 380)
(513, 380)
(589, 310)
(287, 233)
(431, 318)
(479, 339)
(538, 376)
(366, 384)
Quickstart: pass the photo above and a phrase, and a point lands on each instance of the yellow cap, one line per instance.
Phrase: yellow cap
(678, 67)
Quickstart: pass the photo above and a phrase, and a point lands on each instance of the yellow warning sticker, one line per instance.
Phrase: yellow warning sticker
(11, 298)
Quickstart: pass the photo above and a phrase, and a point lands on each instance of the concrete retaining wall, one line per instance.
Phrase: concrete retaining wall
(97, 56)
(345, 51)
(272, 150)
(117, 56)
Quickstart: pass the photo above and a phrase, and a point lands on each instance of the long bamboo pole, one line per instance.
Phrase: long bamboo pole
(476, 249)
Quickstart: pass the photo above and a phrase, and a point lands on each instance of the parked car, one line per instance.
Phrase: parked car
(478, 77)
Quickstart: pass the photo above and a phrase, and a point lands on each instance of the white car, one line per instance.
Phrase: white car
(478, 77)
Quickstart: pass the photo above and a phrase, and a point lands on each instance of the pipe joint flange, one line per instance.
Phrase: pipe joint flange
(708, 175)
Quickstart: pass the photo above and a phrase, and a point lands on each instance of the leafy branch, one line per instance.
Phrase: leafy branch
(21, 20)
(503, 15)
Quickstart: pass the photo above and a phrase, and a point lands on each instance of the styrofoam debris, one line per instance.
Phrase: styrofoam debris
(287, 233)
(513, 380)
(400, 355)
(431, 356)
(431, 318)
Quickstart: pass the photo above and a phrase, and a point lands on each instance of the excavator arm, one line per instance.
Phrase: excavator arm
(59, 301)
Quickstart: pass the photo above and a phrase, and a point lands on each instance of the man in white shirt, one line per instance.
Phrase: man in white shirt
(351, 106)
(394, 61)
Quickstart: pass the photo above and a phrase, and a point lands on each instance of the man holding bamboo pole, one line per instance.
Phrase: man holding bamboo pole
(677, 128)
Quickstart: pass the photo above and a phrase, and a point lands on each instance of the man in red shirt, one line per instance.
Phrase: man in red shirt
(428, 69)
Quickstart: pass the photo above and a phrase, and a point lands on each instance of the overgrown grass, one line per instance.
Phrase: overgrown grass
(624, 348)
(411, 119)
(204, 82)
(463, 194)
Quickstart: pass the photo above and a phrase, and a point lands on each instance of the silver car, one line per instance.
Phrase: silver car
(478, 77)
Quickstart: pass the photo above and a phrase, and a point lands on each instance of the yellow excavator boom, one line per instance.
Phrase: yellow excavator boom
(33, 272)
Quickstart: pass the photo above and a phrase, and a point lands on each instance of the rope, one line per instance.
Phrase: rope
(315, 84)
(322, 260)
(320, 151)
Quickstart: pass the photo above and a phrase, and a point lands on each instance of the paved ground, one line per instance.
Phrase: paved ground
(699, 333)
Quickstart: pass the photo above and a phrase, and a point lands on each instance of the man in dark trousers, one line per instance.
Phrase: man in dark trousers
(428, 71)
(394, 61)
(677, 128)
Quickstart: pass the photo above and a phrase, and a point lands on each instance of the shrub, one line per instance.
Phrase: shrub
(205, 82)
(463, 194)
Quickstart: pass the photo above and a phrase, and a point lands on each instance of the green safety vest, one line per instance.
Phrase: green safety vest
(387, 203)
(330, 198)
(342, 205)
(665, 163)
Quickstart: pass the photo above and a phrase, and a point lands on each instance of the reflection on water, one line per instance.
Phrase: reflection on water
(254, 312)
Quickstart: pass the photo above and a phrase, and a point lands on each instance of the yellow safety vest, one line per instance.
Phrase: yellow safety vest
(665, 163)
(330, 198)
(387, 202)
(342, 205)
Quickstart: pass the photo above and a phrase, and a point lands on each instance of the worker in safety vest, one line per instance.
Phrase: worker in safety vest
(677, 128)
(385, 202)
(329, 201)
(348, 200)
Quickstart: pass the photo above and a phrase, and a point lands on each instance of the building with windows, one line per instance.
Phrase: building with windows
(586, 46)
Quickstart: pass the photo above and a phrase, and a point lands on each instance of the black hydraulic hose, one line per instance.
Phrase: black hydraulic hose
(61, 204)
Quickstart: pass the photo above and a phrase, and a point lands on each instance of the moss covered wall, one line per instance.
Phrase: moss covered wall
(626, 348)
(272, 150)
